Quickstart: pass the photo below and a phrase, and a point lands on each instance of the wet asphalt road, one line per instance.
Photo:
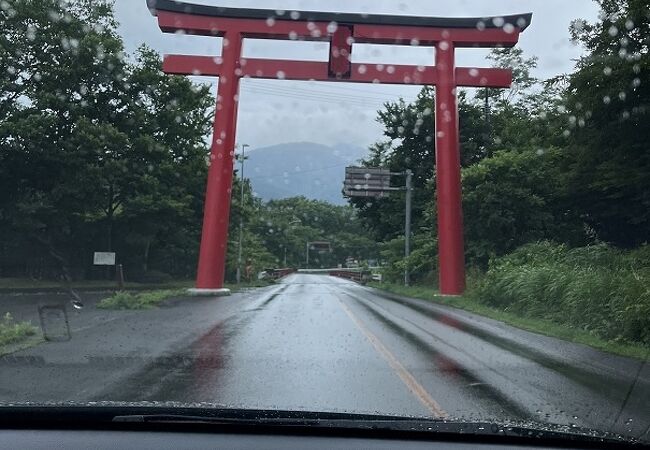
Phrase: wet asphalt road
(324, 344)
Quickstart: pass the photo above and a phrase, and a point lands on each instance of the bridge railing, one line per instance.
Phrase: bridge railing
(354, 275)
(276, 274)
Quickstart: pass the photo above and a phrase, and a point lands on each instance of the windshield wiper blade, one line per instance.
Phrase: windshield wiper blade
(229, 419)
(181, 418)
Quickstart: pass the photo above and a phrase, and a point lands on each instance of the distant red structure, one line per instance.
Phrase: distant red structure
(342, 31)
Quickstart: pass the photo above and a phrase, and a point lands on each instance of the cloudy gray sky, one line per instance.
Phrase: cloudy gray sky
(277, 111)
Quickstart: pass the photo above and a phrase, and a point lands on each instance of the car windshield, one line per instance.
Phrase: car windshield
(431, 210)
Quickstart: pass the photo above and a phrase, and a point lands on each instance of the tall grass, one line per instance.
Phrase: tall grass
(12, 331)
(143, 300)
(599, 289)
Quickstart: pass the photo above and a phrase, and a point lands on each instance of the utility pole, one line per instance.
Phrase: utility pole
(241, 209)
(407, 225)
(294, 222)
(307, 256)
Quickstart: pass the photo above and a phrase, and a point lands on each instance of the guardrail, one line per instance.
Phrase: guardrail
(276, 274)
(354, 274)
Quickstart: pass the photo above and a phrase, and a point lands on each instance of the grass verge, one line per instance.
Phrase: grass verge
(12, 332)
(142, 300)
(541, 326)
(9, 284)
(234, 287)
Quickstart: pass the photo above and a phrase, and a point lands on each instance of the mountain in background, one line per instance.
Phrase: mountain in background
(312, 170)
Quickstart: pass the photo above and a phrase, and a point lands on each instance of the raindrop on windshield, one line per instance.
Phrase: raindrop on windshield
(498, 21)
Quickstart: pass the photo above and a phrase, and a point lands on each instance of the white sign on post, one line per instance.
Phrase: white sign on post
(104, 259)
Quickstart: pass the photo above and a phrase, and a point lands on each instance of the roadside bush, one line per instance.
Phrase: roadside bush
(423, 261)
(597, 288)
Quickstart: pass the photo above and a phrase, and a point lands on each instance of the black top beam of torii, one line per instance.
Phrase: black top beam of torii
(520, 21)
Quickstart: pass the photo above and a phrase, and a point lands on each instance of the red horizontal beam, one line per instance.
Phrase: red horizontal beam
(300, 70)
(461, 37)
(483, 77)
(315, 70)
(321, 31)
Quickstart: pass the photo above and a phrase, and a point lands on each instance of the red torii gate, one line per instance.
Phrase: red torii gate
(341, 30)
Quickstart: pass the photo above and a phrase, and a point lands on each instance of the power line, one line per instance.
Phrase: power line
(324, 97)
(333, 90)
(365, 91)
(330, 94)
(321, 94)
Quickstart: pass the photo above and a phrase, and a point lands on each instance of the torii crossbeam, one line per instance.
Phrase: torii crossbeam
(342, 31)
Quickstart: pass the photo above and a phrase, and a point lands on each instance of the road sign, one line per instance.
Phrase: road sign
(320, 246)
(104, 259)
(366, 182)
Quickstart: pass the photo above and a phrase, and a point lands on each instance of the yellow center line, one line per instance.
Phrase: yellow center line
(409, 380)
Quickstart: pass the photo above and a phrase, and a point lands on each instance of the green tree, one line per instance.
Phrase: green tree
(609, 97)
(91, 141)
(514, 198)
